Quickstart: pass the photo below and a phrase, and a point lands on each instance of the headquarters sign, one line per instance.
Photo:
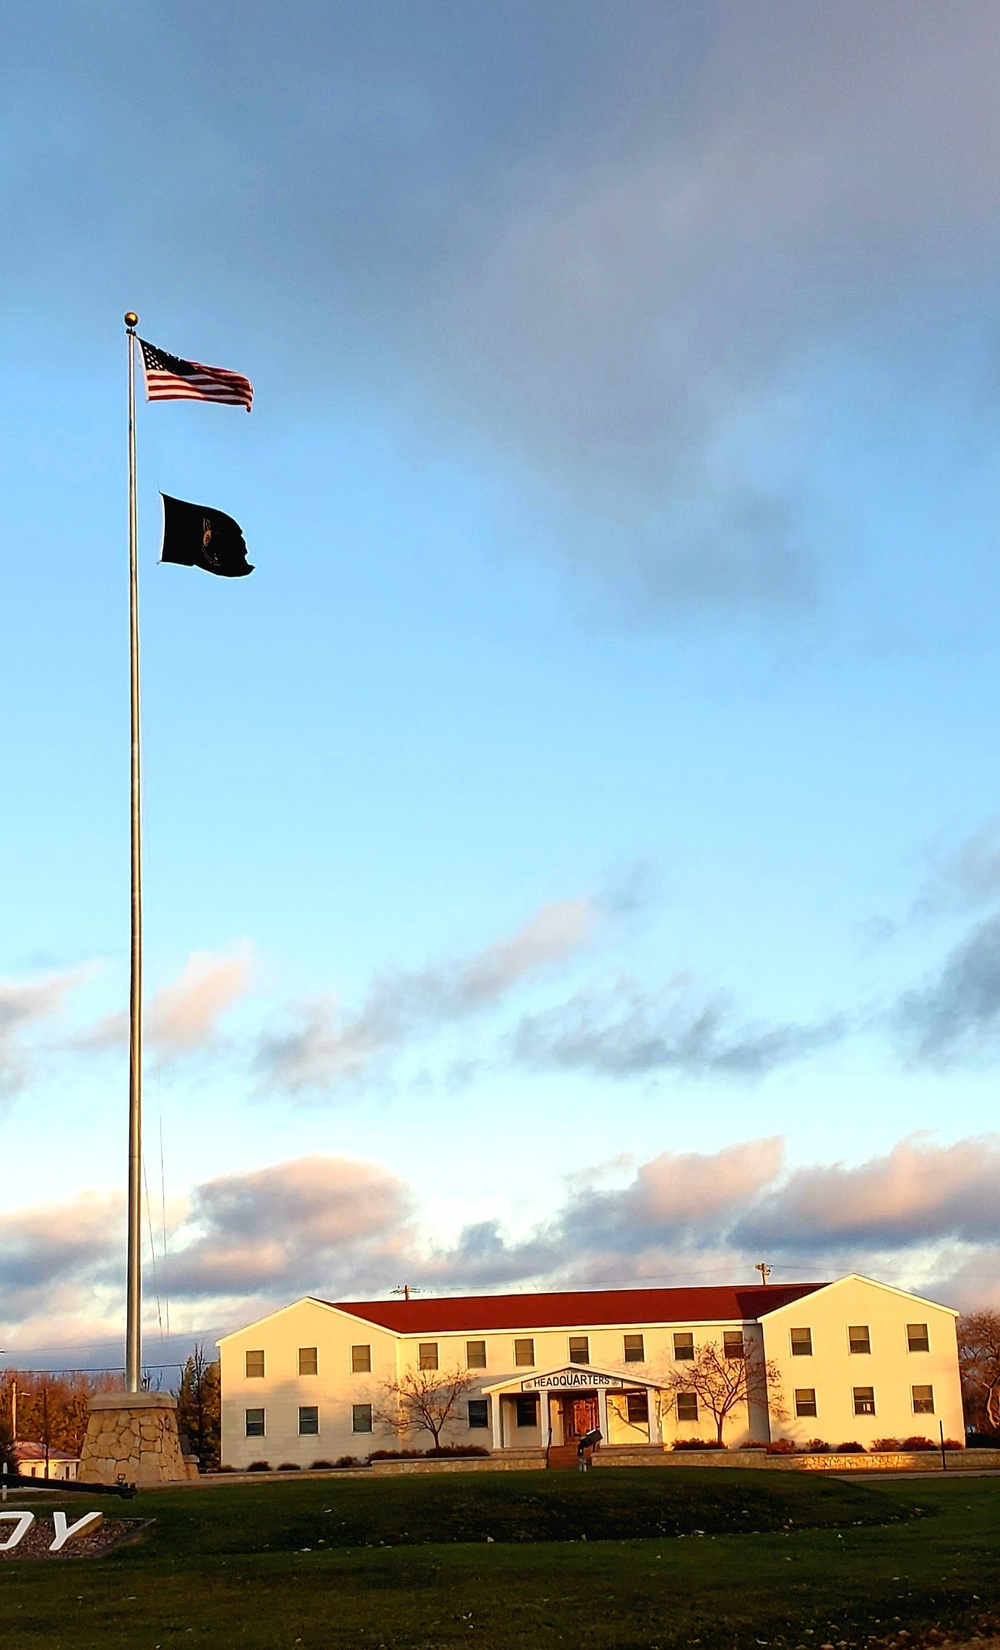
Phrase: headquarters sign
(568, 1380)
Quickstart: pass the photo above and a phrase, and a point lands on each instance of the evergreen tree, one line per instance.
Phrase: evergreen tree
(199, 1408)
(6, 1447)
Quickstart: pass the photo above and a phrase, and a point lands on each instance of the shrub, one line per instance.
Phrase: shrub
(697, 1443)
(888, 1445)
(318, 1466)
(754, 1443)
(457, 1449)
(259, 1466)
(444, 1450)
(289, 1466)
(781, 1446)
(223, 1469)
(953, 1443)
(852, 1447)
(345, 1461)
(918, 1442)
(816, 1446)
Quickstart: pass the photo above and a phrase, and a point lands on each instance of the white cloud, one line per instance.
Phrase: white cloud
(923, 1215)
(56, 1255)
(21, 1007)
(967, 876)
(183, 1016)
(312, 1223)
(918, 1192)
(325, 1050)
(956, 1015)
(630, 1031)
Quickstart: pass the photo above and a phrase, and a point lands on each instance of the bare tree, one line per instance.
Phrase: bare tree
(979, 1363)
(725, 1382)
(422, 1400)
(52, 1406)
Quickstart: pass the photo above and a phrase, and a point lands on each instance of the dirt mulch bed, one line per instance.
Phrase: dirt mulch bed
(112, 1533)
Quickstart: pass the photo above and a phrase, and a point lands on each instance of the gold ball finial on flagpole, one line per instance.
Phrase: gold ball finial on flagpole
(131, 319)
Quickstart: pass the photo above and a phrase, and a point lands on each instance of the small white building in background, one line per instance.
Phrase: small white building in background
(857, 1361)
(33, 1461)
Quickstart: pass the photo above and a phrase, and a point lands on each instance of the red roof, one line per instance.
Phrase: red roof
(24, 1450)
(574, 1308)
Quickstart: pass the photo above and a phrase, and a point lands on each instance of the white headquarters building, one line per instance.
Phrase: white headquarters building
(855, 1359)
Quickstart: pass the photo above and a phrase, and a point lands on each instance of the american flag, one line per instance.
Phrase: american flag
(168, 378)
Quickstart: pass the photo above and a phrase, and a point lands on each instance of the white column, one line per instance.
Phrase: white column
(495, 1419)
(602, 1411)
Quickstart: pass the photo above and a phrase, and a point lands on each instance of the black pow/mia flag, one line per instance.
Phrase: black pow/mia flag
(195, 536)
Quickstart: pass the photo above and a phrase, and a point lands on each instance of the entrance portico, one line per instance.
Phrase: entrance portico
(571, 1400)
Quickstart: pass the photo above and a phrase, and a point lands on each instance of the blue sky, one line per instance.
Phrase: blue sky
(598, 773)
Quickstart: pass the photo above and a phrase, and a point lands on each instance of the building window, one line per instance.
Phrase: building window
(917, 1338)
(527, 1411)
(635, 1349)
(579, 1349)
(684, 1347)
(864, 1400)
(475, 1354)
(255, 1366)
(309, 1421)
(361, 1360)
(308, 1360)
(859, 1337)
(805, 1400)
(687, 1406)
(428, 1354)
(802, 1343)
(732, 1343)
(255, 1423)
(524, 1354)
(361, 1417)
(637, 1408)
(923, 1400)
(479, 1412)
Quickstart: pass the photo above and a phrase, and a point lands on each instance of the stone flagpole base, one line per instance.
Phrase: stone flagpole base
(132, 1437)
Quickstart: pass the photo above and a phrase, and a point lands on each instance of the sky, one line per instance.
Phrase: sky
(573, 856)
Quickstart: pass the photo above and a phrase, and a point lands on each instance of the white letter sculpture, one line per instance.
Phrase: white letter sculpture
(70, 1532)
(23, 1525)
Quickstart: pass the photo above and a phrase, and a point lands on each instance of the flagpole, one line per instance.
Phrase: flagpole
(133, 1305)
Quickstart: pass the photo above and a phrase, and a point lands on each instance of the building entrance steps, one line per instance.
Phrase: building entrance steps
(561, 1455)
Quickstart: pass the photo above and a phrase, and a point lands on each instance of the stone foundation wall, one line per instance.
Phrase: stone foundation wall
(132, 1436)
(901, 1461)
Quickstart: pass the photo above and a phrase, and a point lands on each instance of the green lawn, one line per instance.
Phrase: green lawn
(595, 1562)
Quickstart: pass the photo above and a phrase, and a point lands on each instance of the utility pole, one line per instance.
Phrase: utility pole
(764, 1270)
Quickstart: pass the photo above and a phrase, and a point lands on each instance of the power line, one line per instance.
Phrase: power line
(66, 1369)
